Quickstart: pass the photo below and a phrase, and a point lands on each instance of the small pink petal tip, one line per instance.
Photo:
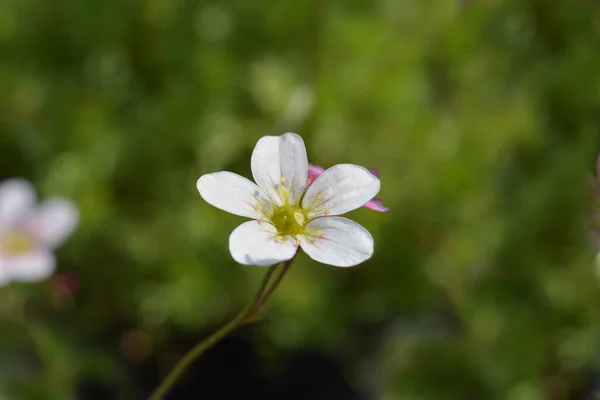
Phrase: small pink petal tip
(377, 205)
(314, 171)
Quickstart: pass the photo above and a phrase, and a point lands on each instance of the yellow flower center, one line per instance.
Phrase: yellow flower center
(289, 220)
(16, 243)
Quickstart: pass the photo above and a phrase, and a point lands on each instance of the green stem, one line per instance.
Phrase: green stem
(259, 299)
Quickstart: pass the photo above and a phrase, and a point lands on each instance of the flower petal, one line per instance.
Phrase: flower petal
(235, 194)
(4, 277)
(337, 241)
(314, 171)
(340, 189)
(31, 267)
(53, 221)
(256, 243)
(17, 197)
(374, 171)
(281, 161)
(377, 205)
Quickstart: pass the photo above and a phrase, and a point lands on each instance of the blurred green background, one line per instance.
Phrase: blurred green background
(482, 117)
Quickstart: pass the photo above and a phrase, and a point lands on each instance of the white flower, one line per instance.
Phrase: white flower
(30, 233)
(290, 211)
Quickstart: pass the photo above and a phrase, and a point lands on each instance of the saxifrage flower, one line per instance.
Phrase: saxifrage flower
(29, 233)
(289, 210)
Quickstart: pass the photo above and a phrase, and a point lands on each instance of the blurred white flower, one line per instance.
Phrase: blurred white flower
(291, 211)
(29, 233)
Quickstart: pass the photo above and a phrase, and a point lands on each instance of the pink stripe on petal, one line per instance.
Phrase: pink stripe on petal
(377, 205)
(375, 171)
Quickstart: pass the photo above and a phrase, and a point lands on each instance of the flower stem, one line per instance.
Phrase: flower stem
(248, 312)
(260, 300)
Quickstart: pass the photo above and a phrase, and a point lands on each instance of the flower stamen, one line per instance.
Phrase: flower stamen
(299, 217)
(326, 212)
(283, 180)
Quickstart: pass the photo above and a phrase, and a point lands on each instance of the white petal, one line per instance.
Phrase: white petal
(281, 160)
(235, 194)
(31, 267)
(337, 241)
(255, 243)
(17, 197)
(340, 189)
(4, 277)
(53, 221)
